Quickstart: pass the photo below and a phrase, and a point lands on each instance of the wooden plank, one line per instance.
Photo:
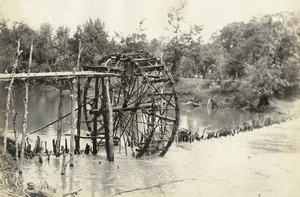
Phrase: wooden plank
(7, 77)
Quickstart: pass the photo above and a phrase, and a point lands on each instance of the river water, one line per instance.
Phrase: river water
(258, 163)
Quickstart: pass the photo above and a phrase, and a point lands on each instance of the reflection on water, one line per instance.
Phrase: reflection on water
(247, 164)
(214, 119)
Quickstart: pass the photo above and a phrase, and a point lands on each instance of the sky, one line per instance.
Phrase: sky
(123, 16)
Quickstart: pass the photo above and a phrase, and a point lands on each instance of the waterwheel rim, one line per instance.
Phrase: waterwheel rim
(145, 111)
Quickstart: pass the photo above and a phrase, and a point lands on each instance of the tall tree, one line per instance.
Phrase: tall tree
(94, 41)
(173, 51)
(137, 40)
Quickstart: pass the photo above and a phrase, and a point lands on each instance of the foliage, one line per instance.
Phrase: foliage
(136, 41)
(5, 47)
(94, 40)
(263, 52)
(257, 59)
(173, 50)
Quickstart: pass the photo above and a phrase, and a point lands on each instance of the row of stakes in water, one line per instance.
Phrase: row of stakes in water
(187, 135)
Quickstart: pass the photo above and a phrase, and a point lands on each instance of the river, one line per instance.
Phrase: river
(263, 162)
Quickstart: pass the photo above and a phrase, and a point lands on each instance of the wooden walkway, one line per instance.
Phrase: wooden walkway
(7, 77)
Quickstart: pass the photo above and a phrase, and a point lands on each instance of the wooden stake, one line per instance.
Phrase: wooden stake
(54, 146)
(41, 153)
(64, 165)
(37, 148)
(8, 98)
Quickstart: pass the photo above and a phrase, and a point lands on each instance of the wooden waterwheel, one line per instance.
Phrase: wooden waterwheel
(144, 102)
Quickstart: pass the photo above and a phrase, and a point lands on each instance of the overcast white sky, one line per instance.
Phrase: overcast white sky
(124, 15)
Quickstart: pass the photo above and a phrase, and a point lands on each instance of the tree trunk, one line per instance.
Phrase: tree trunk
(108, 120)
(263, 101)
(8, 99)
(59, 123)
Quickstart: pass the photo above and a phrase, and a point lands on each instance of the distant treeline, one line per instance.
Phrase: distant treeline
(257, 59)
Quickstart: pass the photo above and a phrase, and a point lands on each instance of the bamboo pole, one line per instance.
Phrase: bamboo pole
(9, 90)
(59, 122)
(73, 121)
(108, 120)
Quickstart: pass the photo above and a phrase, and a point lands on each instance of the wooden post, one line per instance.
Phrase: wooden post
(8, 99)
(14, 125)
(54, 146)
(108, 120)
(24, 131)
(66, 146)
(37, 148)
(59, 123)
(77, 140)
(46, 146)
(73, 121)
(25, 116)
(95, 126)
(64, 165)
(41, 153)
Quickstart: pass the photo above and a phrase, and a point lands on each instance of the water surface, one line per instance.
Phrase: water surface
(249, 164)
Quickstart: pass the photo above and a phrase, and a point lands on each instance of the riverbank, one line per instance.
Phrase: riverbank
(9, 184)
(198, 91)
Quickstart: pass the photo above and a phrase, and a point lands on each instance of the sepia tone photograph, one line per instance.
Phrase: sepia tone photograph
(172, 98)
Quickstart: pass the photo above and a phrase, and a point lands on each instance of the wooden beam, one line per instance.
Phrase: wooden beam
(128, 108)
(7, 77)
(86, 137)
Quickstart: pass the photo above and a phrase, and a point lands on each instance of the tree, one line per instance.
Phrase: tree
(44, 48)
(274, 66)
(136, 41)
(62, 52)
(192, 60)
(27, 36)
(174, 49)
(94, 40)
(6, 46)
